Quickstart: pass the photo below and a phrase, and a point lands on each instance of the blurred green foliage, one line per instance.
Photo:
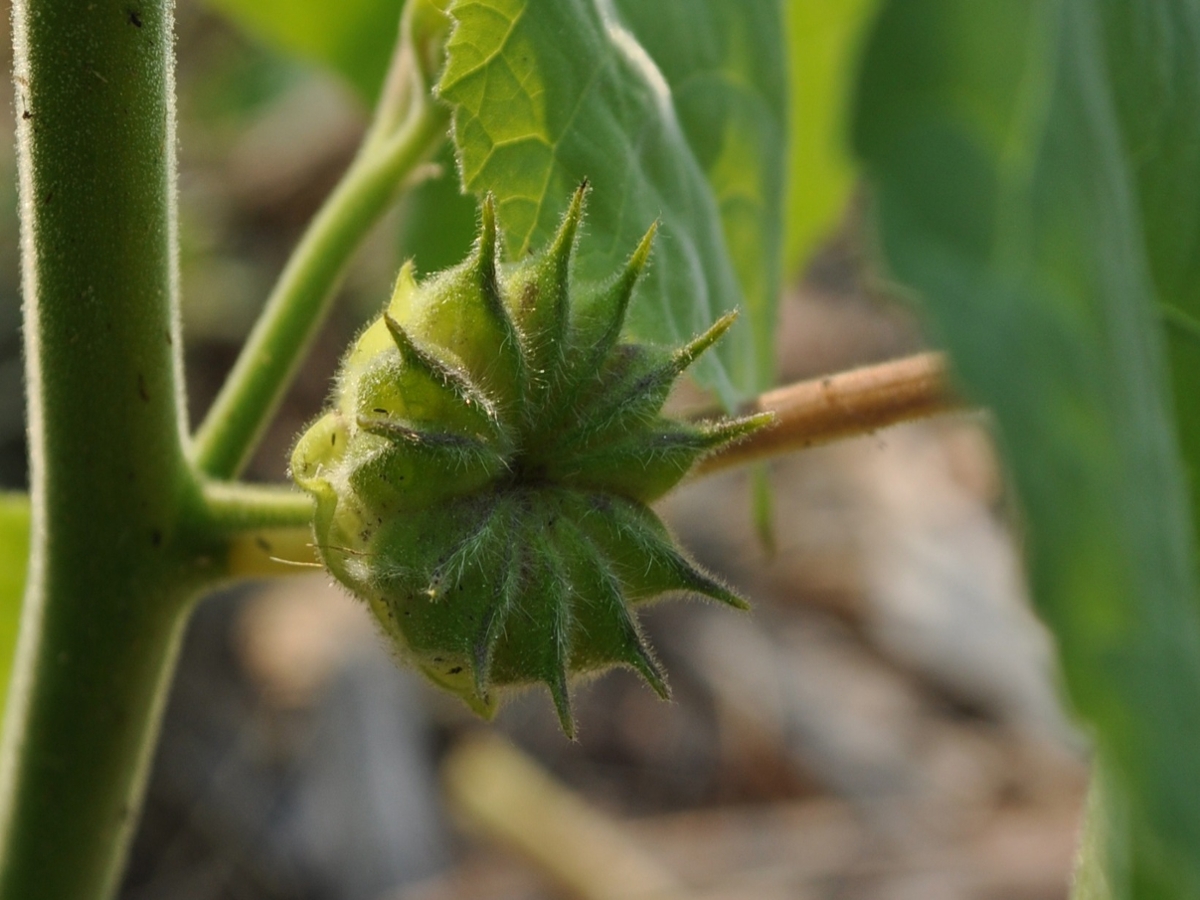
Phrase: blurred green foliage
(823, 41)
(351, 37)
(437, 220)
(1035, 174)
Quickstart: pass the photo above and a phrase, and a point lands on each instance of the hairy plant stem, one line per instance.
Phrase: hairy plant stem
(114, 560)
(301, 298)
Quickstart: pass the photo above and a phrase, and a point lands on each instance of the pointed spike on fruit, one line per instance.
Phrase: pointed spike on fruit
(623, 288)
(564, 240)
(488, 262)
(382, 426)
(481, 652)
(484, 648)
(693, 579)
(487, 249)
(403, 342)
(614, 303)
(545, 305)
(683, 574)
(489, 237)
(463, 451)
(641, 254)
(650, 391)
(561, 696)
(646, 665)
(406, 280)
(635, 651)
(419, 357)
(482, 663)
(485, 708)
(437, 369)
(686, 575)
(652, 388)
(690, 352)
(481, 659)
(556, 633)
(403, 290)
(730, 431)
(635, 267)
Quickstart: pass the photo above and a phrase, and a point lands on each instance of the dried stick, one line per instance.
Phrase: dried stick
(848, 404)
(507, 796)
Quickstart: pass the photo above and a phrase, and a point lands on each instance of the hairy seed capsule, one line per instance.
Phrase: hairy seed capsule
(483, 478)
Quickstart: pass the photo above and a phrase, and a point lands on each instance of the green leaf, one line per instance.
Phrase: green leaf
(14, 553)
(673, 110)
(1157, 95)
(352, 37)
(437, 220)
(823, 43)
(1035, 173)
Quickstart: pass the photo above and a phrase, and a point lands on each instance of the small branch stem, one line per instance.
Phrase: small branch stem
(234, 507)
(265, 530)
(840, 406)
(301, 298)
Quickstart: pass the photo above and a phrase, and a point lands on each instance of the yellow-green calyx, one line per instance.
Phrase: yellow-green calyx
(483, 478)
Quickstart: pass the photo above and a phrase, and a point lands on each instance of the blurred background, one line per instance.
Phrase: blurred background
(884, 724)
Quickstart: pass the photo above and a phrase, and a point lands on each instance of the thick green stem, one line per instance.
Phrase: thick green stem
(301, 298)
(113, 564)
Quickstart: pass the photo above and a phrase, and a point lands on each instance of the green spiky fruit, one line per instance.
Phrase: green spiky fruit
(483, 478)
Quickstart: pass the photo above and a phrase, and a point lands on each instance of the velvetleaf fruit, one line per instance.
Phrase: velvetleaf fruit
(483, 477)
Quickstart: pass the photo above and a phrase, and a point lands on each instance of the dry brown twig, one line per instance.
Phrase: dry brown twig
(844, 405)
